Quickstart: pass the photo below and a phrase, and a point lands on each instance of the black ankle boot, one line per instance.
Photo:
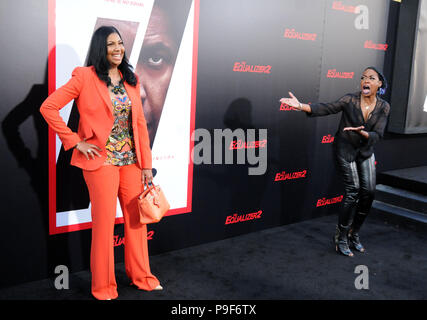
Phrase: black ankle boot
(340, 240)
(354, 241)
(353, 234)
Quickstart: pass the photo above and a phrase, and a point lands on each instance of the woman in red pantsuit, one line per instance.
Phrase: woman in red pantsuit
(112, 148)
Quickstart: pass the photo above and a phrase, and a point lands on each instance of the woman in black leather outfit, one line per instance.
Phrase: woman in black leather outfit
(364, 117)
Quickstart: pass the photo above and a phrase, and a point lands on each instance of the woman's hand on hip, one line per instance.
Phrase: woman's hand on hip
(88, 149)
(147, 175)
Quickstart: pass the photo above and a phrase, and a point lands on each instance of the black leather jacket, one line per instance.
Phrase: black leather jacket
(348, 144)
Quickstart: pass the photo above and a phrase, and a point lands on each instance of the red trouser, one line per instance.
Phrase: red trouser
(105, 185)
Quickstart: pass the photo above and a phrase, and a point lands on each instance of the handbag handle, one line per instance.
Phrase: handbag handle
(148, 187)
(154, 195)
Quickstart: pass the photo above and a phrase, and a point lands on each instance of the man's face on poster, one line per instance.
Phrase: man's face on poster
(155, 66)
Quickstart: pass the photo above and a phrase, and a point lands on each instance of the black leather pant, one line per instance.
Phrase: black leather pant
(359, 179)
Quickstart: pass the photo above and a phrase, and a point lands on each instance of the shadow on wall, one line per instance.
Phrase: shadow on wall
(58, 247)
(239, 115)
(243, 185)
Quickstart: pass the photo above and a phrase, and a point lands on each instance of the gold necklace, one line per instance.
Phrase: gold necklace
(369, 106)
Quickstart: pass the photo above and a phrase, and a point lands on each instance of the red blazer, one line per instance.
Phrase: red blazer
(96, 117)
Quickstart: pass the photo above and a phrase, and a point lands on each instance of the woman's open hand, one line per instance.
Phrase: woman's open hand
(292, 101)
(354, 128)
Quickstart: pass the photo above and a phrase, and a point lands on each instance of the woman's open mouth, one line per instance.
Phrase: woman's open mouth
(366, 89)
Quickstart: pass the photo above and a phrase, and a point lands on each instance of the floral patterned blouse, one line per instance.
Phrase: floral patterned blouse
(120, 145)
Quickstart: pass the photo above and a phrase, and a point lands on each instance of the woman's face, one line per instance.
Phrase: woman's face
(115, 50)
(370, 83)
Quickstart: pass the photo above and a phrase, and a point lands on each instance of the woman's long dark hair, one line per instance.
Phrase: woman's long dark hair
(383, 88)
(98, 57)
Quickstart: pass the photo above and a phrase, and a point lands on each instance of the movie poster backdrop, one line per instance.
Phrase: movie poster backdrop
(159, 41)
(206, 66)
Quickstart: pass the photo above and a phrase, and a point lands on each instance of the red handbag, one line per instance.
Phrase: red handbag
(152, 204)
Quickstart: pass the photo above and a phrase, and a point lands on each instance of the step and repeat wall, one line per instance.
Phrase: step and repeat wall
(231, 158)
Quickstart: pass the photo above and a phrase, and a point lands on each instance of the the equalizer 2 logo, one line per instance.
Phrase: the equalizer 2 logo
(236, 218)
(285, 107)
(362, 20)
(339, 6)
(328, 139)
(243, 67)
(333, 73)
(324, 202)
(282, 176)
(376, 46)
(292, 34)
(247, 146)
(239, 144)
(118, 241)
